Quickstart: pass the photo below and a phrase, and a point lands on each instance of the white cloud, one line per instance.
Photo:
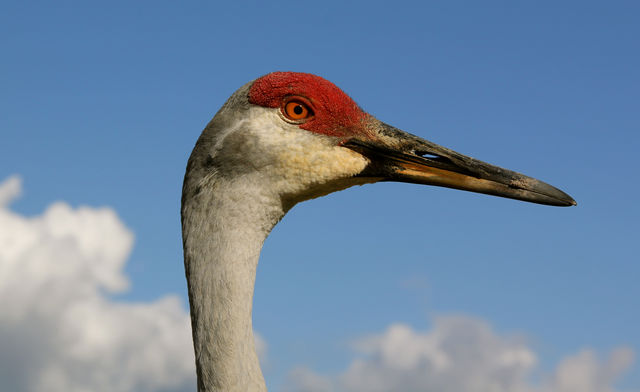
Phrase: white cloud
(460, 354)
(58, 329)
(10, 189)
(305, 380)
(261, 348)
(584, 373)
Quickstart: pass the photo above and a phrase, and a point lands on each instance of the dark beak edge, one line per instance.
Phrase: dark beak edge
(404, 157)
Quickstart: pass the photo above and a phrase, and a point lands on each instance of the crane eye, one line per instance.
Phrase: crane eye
(296, 110)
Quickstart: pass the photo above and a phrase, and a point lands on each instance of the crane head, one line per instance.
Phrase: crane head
(306, 138)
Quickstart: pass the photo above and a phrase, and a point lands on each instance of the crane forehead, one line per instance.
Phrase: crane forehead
(336, 114)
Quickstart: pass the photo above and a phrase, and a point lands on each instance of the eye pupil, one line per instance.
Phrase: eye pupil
(296, 110)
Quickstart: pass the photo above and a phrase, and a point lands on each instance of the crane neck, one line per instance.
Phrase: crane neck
(224, 225)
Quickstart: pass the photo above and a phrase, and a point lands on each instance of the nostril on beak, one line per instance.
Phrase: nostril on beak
(431, 156)
(427, 155)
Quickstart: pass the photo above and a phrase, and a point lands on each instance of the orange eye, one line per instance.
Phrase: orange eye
(296, 110)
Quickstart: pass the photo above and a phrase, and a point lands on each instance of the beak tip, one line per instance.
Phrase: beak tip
(568, 200)
(408, 158)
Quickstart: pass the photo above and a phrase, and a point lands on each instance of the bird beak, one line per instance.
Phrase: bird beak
(400, 156)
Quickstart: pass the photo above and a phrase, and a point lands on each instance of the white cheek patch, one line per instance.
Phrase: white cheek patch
(292, 158)
(321, 165)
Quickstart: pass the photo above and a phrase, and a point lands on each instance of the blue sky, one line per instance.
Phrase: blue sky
(102, 104)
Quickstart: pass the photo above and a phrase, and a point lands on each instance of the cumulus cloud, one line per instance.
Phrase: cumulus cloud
(59, 331)
(10, 189)
(302, 379)
(583, 372)
(460, 354)
(261, 348)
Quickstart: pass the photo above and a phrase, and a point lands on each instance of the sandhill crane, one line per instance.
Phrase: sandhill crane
(281, 139)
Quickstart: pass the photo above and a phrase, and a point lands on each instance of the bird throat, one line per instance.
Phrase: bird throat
(224, 227)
